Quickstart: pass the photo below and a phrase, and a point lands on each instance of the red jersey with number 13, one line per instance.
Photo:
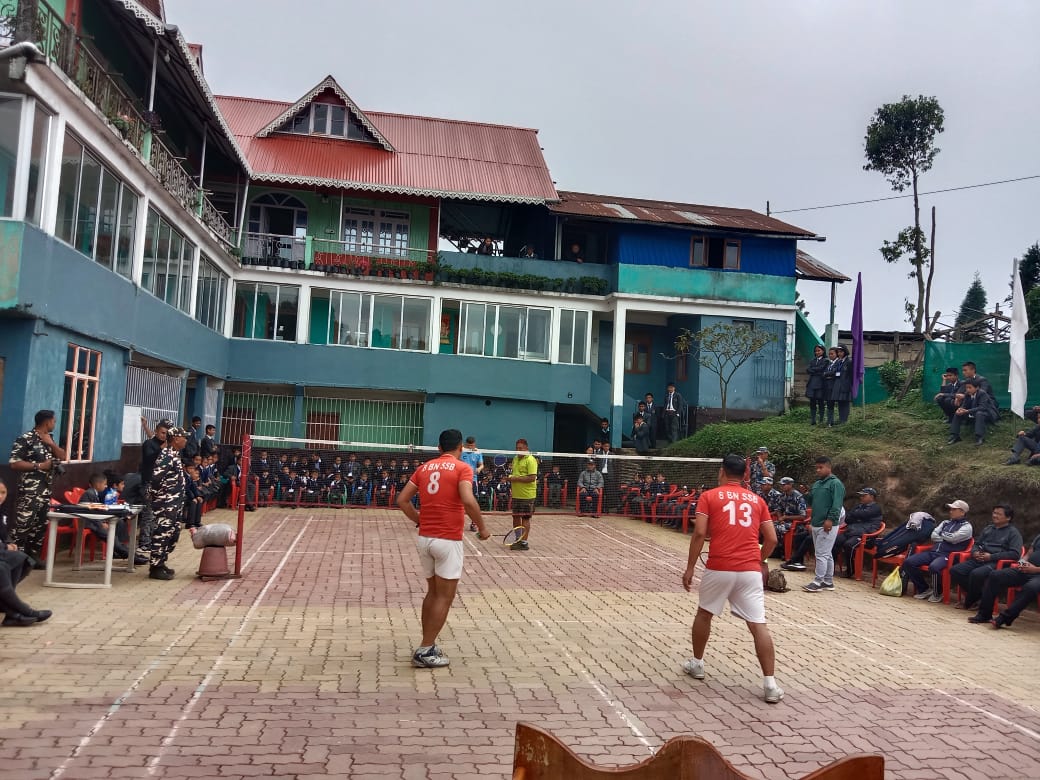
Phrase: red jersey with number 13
(441, 514)
(734, 516)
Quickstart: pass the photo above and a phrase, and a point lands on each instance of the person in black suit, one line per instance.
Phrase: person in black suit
(946, 398)
(650, 414)
(672, 413)
(841, 390)
(978, 409)
(814, 389)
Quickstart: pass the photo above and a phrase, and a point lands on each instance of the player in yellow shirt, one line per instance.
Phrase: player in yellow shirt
(523, 481)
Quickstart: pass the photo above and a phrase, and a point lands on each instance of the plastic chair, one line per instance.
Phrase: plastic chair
(857, 558)
(577, 504)
(660, 498)
(897, 560)
(81, 537)
(958, 557)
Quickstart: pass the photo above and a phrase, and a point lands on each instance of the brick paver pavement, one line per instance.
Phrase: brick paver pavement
(302, 669)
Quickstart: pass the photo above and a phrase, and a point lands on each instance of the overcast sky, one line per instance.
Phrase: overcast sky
(727, 103)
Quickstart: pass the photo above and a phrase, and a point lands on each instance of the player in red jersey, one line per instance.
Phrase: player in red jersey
(445, 489)
(733, 516)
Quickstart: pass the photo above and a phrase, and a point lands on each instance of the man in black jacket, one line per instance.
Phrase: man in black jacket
(864, 518)
(1026, 441)
(1025, 576)
(978, 408)
(946, 398)
(999, 541)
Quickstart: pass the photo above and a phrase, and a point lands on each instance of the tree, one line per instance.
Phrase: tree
(1033, 313)
(722, 349)
(967, 327)
(900, 144)
(1029, 269)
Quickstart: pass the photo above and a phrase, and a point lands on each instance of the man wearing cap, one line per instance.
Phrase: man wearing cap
(761, 466)
(790, 506)
(166, 498)
(952, 535)
(978, 408)
(769, 494)
(864, 518)
(999, 541)
(672, 413)
(35, 456)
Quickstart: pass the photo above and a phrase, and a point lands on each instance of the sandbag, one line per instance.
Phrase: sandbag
(215, 535)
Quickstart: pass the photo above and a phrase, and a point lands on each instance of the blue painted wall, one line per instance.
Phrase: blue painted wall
(645, 245)
(754, 386)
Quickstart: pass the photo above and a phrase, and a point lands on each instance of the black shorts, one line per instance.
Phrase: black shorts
(523, 506)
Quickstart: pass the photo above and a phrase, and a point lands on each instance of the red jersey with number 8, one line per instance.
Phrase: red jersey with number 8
(441, 514)
(734, 516)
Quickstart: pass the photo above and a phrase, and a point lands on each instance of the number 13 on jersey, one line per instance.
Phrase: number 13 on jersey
(732, 509)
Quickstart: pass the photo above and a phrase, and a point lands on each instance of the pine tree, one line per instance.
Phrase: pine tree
(1029, 268)
(973, 308)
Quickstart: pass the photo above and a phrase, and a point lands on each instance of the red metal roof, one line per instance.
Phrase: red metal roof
(809, 268)
(434, 157)
(614, 207)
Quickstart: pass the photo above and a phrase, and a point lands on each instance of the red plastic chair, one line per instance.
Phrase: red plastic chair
(789, 537)
(857, 560)
(577, 503)
(957, 557)
(896, 560)
(674, 493)
(72, 496)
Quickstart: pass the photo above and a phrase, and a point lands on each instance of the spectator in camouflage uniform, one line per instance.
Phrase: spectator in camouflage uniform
(761, 467)
(789, 507)
(34, 456)
(166, 497)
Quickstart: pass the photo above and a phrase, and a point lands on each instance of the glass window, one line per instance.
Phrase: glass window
(637, 354)
(732, 259)
(37, 161)
(10, 121)
(360, 234)
(79, 403)
(581, 337)
(265, 311)
(698, 254)
(210, 291)
(109, 203)
(566, 350)
(415, 324)
(504, 331)
(321, 118)
(151, 248)
(337, 120)
(127, 224)
(68, 187)
(536, 343)
(347, 318)
(87, 205)
(301, 123)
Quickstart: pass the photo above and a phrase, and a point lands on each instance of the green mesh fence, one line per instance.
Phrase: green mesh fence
(993, 362)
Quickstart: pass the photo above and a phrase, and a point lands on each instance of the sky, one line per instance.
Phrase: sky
(730, 103)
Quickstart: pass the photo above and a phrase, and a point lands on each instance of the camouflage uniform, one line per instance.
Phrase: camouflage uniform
(166, 498)
(34, 494)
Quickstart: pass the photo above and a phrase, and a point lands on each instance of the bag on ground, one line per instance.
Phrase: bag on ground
(215, 535)
(893, 584)
(777, 582)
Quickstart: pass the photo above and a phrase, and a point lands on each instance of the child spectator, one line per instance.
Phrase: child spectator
(114, 490)
(554, 479)
(94, 495)
(384, 487)
(193, 499)
(362, 493)
(334, 488)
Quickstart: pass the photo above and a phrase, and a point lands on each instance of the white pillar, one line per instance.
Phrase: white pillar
(229, 308)
(617, 372)
(137, 262)
(23, 158)
(303, 315)
(435, 323)
(51, 179)
(193, 292)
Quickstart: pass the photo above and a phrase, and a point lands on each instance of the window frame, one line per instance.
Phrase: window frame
(701, 243)
(359, 239)
(635, 340)
(272, 323)
(491, 316)
(77, 386)
(584, 344)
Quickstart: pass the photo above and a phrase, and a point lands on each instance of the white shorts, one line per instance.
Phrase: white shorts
(442, 557)
(742, 589)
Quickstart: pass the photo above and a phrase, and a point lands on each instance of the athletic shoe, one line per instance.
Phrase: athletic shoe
(792, 566)
(813, 587)
(1000, 622)
(924, 594)
(773, 695)
(827, 586)
(473, 526)
(432, 658)
(521, 545)
(694, 668)
(935, 598)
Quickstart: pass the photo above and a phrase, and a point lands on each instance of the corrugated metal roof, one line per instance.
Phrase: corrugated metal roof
(154, 7)
(583, 204)
(435, 157)
(808, 267)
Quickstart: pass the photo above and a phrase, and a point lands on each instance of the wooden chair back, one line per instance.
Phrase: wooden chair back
(538, 755)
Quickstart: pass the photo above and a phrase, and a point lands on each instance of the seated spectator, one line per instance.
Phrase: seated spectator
(15, 566)
(94, 494)
(265, 482)
(671, 510)
(761, 467)
(999, 541)
(946, 398)
(803, 544)
(351, 468)
(970, 371)
(952, 535)
(290, 487)
(113, 493)
(1025, 442)
(789, 507)
(527, 252)
(769, 494)
(977, 409)
(486, 247)
(503, 491)
(653, 488)
(362, 492)
(313, 492)
(1026, 575)
(574, 254)
(590, 488)
(554, 482)
(335, 488)
(864, 518)
(485, 491)
(640, 434)
(384, 486)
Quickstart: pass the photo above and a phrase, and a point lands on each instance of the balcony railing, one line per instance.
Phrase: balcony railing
(35, 21)
(274, 251)
(348, 257)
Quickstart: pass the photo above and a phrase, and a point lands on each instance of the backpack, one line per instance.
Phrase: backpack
(902, 539)
(776, 581)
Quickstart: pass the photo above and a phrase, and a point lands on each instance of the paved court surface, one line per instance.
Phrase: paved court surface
(301, 669)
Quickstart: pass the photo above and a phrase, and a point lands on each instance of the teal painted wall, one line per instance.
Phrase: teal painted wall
(10, 261)
(704, 283)
(759, 384)
(496, 426)
(553, 269)
(16, 339)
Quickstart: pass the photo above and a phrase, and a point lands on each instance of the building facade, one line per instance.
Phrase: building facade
(311, 269)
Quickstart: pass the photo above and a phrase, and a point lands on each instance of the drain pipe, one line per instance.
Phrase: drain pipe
(19, 54)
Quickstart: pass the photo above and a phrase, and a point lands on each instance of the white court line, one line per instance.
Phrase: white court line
(644, 553)
(153, 765)
(624, 714)
(121, 699)
(475, 548)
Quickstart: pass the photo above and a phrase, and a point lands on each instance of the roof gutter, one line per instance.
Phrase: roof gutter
(19, 55)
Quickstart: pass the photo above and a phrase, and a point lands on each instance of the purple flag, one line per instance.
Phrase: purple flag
(857, 337)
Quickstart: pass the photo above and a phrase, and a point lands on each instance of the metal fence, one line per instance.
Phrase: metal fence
(152, 395)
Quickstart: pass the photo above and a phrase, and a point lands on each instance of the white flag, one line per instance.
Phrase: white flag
(1019, 326)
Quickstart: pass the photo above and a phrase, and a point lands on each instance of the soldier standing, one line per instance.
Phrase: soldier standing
(166, 497)
(36, 457)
